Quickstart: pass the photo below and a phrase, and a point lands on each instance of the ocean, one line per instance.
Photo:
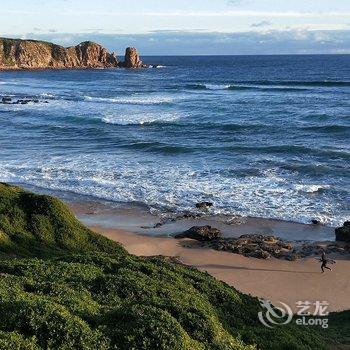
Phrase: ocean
(261, 136)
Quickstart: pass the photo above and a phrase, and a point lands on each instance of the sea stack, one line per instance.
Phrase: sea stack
(132, 59)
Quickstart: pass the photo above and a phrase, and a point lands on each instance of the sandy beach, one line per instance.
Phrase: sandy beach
(273, 279)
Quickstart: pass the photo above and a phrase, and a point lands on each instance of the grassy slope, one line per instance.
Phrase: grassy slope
(64, 287)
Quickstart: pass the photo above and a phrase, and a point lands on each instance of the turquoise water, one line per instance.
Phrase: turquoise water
(264, 136)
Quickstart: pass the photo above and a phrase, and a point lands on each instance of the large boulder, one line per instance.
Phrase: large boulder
(343, 233)
(201, 233)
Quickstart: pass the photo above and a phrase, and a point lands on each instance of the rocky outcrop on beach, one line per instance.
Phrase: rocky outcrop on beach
(343, 233)
(261, 246)
(201, 233)
(34, 54)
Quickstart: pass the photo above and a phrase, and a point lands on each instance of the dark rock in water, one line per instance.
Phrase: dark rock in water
(22, 102)
(316, 222)
(6, 100)
(204, 205)
(201, 233)
(343, 233)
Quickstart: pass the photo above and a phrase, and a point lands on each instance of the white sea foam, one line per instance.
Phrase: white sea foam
(46, 94)
(136, 100)
(217, 86)
(309, 188)
(173, 186)
(141, 118)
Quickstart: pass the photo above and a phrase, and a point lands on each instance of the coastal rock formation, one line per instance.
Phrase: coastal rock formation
(33, 54)
(132, 59)
(200, 233)
(261, 246)
(343, 233)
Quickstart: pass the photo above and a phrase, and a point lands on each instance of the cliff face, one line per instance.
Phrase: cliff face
(32, 54)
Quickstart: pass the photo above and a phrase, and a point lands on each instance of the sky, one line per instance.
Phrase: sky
(185, 27)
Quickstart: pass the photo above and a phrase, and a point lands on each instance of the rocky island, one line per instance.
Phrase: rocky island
(33, 54)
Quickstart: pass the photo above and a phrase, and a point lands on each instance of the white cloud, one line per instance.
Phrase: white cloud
(261, 24)
(292, 41)
(245, 13)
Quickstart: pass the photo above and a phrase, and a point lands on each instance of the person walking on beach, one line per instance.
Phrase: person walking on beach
(324, 261)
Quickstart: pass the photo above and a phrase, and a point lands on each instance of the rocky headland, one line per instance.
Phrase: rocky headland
(34, 54)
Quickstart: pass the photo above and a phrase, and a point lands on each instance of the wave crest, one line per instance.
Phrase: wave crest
(140, 119)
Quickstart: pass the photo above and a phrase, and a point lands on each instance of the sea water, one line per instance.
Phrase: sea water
(262, 136)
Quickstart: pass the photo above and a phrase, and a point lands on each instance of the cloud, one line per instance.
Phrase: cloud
(235, 2)
(291, 41)
(162, 31)
(204, 14)
(37, 29)
(261, 24)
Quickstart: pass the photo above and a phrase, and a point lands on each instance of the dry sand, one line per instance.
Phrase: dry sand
(276, 280)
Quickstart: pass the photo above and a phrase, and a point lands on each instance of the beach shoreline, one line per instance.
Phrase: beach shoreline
(272, 279)
(140, 219)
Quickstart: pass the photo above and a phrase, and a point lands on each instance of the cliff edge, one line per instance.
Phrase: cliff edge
(33, 54)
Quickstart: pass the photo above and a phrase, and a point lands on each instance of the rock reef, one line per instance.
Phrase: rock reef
(201, 233)
(342, 234)
(263, 246)
(34, 54)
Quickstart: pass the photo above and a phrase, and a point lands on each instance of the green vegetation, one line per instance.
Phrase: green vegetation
(64, 287)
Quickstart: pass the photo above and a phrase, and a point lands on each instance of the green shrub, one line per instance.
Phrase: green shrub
(16, 341)
(63, 286)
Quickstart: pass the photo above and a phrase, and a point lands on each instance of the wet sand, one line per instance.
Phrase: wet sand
(138, 219)
(276, 280)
